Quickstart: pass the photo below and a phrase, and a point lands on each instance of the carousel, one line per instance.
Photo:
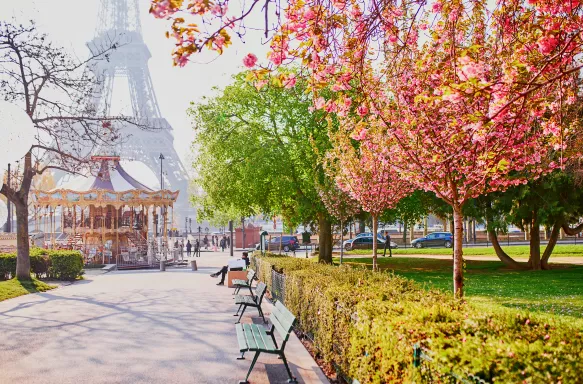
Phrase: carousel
(111, 218)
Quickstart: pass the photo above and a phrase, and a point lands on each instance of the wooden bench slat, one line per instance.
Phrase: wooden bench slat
(241, 338)
(264, 341)
(251, 343)
(283, 332)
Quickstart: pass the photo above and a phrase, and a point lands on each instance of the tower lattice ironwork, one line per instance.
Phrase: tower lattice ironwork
(120, 20)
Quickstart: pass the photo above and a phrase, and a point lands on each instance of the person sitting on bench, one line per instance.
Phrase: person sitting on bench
(225, 269)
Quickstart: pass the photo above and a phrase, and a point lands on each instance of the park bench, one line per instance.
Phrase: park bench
(255, 338)
(253, 301)
(239, 283)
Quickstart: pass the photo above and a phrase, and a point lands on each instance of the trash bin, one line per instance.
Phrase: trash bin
(193, 265)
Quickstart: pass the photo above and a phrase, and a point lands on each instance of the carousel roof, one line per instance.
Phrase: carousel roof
(112, 185)
(109, 178)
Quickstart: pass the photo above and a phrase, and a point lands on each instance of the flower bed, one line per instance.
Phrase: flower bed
(44, 263)
(366, 324)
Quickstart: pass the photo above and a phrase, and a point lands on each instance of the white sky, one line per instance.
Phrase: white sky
(71, 23)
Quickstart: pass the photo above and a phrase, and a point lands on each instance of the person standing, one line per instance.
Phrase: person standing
(388, 244)
(188, 248)
(223, 244)
(197, 248)
(205, 241)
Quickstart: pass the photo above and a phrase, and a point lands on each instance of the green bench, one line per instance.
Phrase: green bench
(238, 283)
(253, 301)
(255, 338)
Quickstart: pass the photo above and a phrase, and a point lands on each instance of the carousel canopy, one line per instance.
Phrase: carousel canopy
(110, 177)
(112, 185)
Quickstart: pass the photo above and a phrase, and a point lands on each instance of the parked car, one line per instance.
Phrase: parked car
(365, 242)
(434, 239)
(288, 243)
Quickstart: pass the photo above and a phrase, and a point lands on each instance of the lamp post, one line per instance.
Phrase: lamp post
(161, 178)
(8, 205)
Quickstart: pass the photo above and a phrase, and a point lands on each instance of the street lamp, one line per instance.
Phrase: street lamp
(161, 179)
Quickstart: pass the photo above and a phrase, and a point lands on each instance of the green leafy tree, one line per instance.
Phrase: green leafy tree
(258, 152)
(552, 202)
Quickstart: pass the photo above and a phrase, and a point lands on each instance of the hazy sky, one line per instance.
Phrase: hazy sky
(72, 23)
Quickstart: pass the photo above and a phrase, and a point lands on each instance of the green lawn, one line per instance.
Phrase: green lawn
(558, 292)
(14, 287)
(519, 251)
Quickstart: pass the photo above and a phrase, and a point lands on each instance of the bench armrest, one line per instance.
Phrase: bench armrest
(270, 331)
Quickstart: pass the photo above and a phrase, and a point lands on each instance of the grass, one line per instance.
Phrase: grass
(518, 251)
(557, 293)
(14, 288)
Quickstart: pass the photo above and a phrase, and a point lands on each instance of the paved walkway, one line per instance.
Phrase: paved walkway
(137, 327)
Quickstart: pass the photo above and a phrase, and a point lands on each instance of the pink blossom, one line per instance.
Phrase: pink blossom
(276, 57)
(309, 14)
(182, 60)
(362, 110)
(359, 135)
(547, 44)
(250, 60)
(219, 41)
(423, 26)
(437, 6)
(320, 103)
(393, 38)
(290, 82)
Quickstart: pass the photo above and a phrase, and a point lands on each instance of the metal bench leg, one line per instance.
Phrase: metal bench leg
(250, 368)
(291, 378)
(242, 312)
(261, 313)
(242, 356)
(238, 309)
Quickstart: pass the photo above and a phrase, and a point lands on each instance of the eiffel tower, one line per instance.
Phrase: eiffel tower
(120, 19)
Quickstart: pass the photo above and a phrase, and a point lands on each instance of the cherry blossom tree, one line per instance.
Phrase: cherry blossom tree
(361, 166)
(471, 92)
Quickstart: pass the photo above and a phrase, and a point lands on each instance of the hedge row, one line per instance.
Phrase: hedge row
(44, 263)
(367, 323)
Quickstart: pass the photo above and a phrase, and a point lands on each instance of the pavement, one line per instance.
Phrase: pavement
(137, 327)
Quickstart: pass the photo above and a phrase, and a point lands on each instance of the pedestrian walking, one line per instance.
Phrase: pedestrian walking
(197, 248)
(188, 248)
(223, 244)
(205, 241)
(388, 244)
(229, 242)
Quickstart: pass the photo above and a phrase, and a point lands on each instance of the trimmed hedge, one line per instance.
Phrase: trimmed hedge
(45, 263)
(366, 323)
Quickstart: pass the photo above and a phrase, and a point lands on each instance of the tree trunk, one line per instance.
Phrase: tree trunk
(572, 231)
(22, 243)
(425, 225)
(534, 260)
(550, 246)
(405, 232)
(325, 239)
(458, 260)
(361, 226)
(412, 232)
(375, 224)
(341, 242)
(509, 261)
